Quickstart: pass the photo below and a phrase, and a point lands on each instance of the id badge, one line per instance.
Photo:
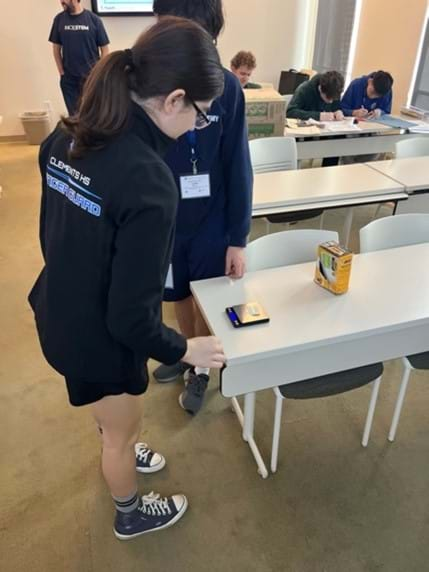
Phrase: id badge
(169, 283)
(195, 186)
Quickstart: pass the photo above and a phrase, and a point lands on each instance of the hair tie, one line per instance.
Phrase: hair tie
(130, 61)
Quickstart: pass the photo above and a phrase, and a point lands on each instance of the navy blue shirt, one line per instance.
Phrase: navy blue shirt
(80, 36)
(222, 150)
(356, 97)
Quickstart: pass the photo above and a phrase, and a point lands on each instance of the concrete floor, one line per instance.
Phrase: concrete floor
(332, 507)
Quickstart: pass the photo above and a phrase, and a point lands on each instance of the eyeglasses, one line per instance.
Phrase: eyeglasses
(202, 120)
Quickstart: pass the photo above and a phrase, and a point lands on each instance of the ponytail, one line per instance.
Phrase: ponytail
(105, 105)
(173, 54)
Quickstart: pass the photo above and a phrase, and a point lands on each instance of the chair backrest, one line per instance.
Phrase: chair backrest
(415, 147)
(285, 248)
(290, 80)
(273, 154)
(394, 231)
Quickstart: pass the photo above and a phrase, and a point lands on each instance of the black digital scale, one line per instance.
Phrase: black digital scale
(249, 314)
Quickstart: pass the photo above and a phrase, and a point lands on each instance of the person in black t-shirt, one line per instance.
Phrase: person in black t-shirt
(79, 39)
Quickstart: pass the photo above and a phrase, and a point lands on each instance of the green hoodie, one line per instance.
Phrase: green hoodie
(307, 103)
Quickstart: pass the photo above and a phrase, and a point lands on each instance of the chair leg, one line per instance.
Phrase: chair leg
(276, 430)
(371, 410)
(377, 212)
(267, 226)
(322, 220)
(348, 226)
(400, 400)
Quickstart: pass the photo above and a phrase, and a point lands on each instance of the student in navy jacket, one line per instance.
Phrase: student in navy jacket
(106, 229)
(369, 96)
(213, 220)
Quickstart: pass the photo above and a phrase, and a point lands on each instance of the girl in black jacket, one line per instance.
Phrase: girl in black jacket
(106, 231)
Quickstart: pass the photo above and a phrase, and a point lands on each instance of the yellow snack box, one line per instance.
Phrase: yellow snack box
(334, 265)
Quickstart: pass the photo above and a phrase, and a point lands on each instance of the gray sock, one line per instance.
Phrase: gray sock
(126, 504)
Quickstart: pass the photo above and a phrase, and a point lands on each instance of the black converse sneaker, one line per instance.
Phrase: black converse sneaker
(154, 513)
(147, 461)
(192, 398)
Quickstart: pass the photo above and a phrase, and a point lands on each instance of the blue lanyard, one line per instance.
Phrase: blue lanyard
(192, 140)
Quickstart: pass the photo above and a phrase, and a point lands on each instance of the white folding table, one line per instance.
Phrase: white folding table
(369, 138)
(323, 188)
(385, 315)
(413, 174)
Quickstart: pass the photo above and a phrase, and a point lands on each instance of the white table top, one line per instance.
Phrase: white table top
(384, 296)
(352, 183)
(363, 128)
(412, 172)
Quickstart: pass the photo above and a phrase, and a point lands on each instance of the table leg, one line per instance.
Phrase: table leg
(348, 226)
(247, 421)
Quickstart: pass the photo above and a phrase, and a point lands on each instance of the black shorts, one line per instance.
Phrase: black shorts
(83, 392)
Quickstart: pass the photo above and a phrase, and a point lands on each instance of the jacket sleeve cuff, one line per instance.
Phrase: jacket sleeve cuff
(176, 354)
(239, 241)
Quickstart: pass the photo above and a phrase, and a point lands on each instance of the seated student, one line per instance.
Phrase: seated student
(243, 65)
(318, 98)
(369, 96)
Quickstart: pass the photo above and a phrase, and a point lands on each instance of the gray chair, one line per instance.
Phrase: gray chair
(278, 154)
(393, 232)
(294, 247)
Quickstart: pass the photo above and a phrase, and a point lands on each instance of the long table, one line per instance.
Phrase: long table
(385, 315)
(369, 138)
(413, 174)
(323, 188)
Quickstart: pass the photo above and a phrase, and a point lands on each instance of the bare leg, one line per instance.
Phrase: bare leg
(185, 313)
(119, 417)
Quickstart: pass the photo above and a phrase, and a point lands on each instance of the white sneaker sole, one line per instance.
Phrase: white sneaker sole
(154, 469)
(167, 525)
(183, 407)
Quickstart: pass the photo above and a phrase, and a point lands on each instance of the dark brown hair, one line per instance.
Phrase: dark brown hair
(382, 82)
(243, 59)
(208, 13)
(173, 54)
(332, 84)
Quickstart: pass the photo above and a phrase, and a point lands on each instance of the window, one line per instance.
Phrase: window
(334, 35)
(419, 95)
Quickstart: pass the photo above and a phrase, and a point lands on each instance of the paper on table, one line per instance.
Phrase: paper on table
(316, 123)
(421, 128)
(345, 125)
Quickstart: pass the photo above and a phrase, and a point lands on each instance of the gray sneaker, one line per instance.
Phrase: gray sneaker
(192, 398)
(168, 373)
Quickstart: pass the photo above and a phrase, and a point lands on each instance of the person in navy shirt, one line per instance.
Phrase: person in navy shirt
(213, 174)
(369, 96)
(79, 39)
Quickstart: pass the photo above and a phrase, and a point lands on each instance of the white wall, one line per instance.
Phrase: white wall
(275, 30)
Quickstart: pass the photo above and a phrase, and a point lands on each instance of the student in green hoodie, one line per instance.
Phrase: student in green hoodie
(318, 98)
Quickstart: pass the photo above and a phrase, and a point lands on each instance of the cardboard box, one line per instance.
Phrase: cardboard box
(265, 113)
(333, 268)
